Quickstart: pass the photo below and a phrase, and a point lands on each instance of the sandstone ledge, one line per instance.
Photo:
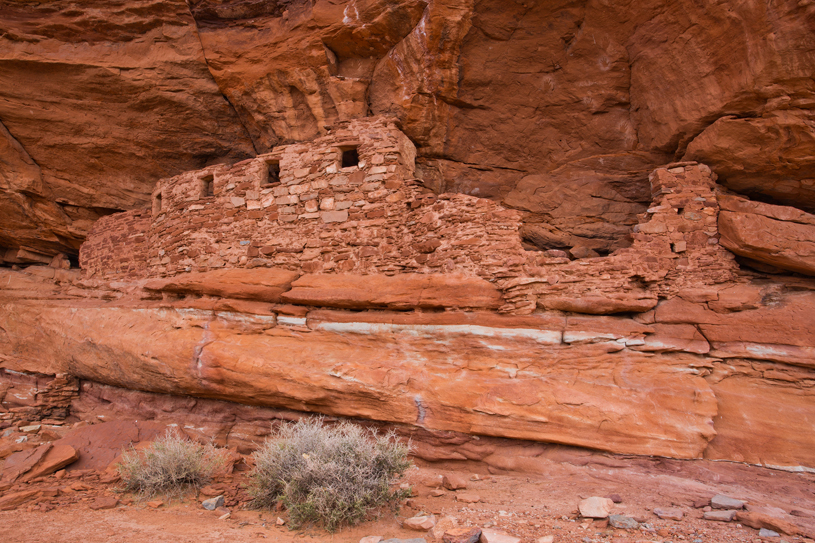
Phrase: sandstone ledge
(404, 291)
(595, 395)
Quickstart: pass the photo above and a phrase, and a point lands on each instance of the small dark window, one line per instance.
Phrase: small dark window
(207, 186)
(157, 205)
(350, 157)
(272, 173)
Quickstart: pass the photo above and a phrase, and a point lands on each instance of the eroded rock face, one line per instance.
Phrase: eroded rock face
(503, 100)
(103, 100)
(780, 236)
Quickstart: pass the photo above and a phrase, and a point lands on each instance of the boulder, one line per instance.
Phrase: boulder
(44, 460)
(11, 501)
(57, 457)
(760, 520)
(776, 235)
(21, 462)
(743, 150)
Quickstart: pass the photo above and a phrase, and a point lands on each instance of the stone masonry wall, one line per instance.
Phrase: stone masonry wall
(117, 244)
(319, 218)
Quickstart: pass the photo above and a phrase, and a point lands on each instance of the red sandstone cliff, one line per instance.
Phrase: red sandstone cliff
(467, 292)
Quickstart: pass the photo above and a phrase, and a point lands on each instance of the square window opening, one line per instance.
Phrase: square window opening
(272, 174)
(350, 157)
(207, 187)
(156, 204)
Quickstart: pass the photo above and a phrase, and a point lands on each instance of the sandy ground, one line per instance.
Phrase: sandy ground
(527, 506)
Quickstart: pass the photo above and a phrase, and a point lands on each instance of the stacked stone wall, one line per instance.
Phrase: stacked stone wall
(320, 217)
(117, 245)
(675, 249)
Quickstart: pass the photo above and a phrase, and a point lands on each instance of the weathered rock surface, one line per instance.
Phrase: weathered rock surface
(398, 292)
(777, 235)
(98, 445)
(134, 94)
(769, 156)
(552, 393)
(43, 460)
(262, 284)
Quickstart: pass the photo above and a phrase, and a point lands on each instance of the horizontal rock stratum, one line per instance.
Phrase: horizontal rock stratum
(458, 376)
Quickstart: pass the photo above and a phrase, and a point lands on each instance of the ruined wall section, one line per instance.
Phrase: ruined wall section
(676, 250)
(117, 244)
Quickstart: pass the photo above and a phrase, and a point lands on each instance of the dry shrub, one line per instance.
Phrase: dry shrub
(169, 465)
(328, 475)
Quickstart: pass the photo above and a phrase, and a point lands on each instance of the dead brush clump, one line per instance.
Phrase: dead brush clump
(170, 465)
(328, 475)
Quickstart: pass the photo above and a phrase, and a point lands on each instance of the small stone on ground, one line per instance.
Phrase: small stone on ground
(467, 497)
(595, 507)
(104, 502)
(670, 513)
(492, 536)
(720, 516)
(453, 481)
(424, 522)
(720, 501)
(213, 503)
(462, 535)
(623, 522)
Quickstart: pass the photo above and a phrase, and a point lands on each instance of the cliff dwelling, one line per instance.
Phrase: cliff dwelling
(561, 255)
